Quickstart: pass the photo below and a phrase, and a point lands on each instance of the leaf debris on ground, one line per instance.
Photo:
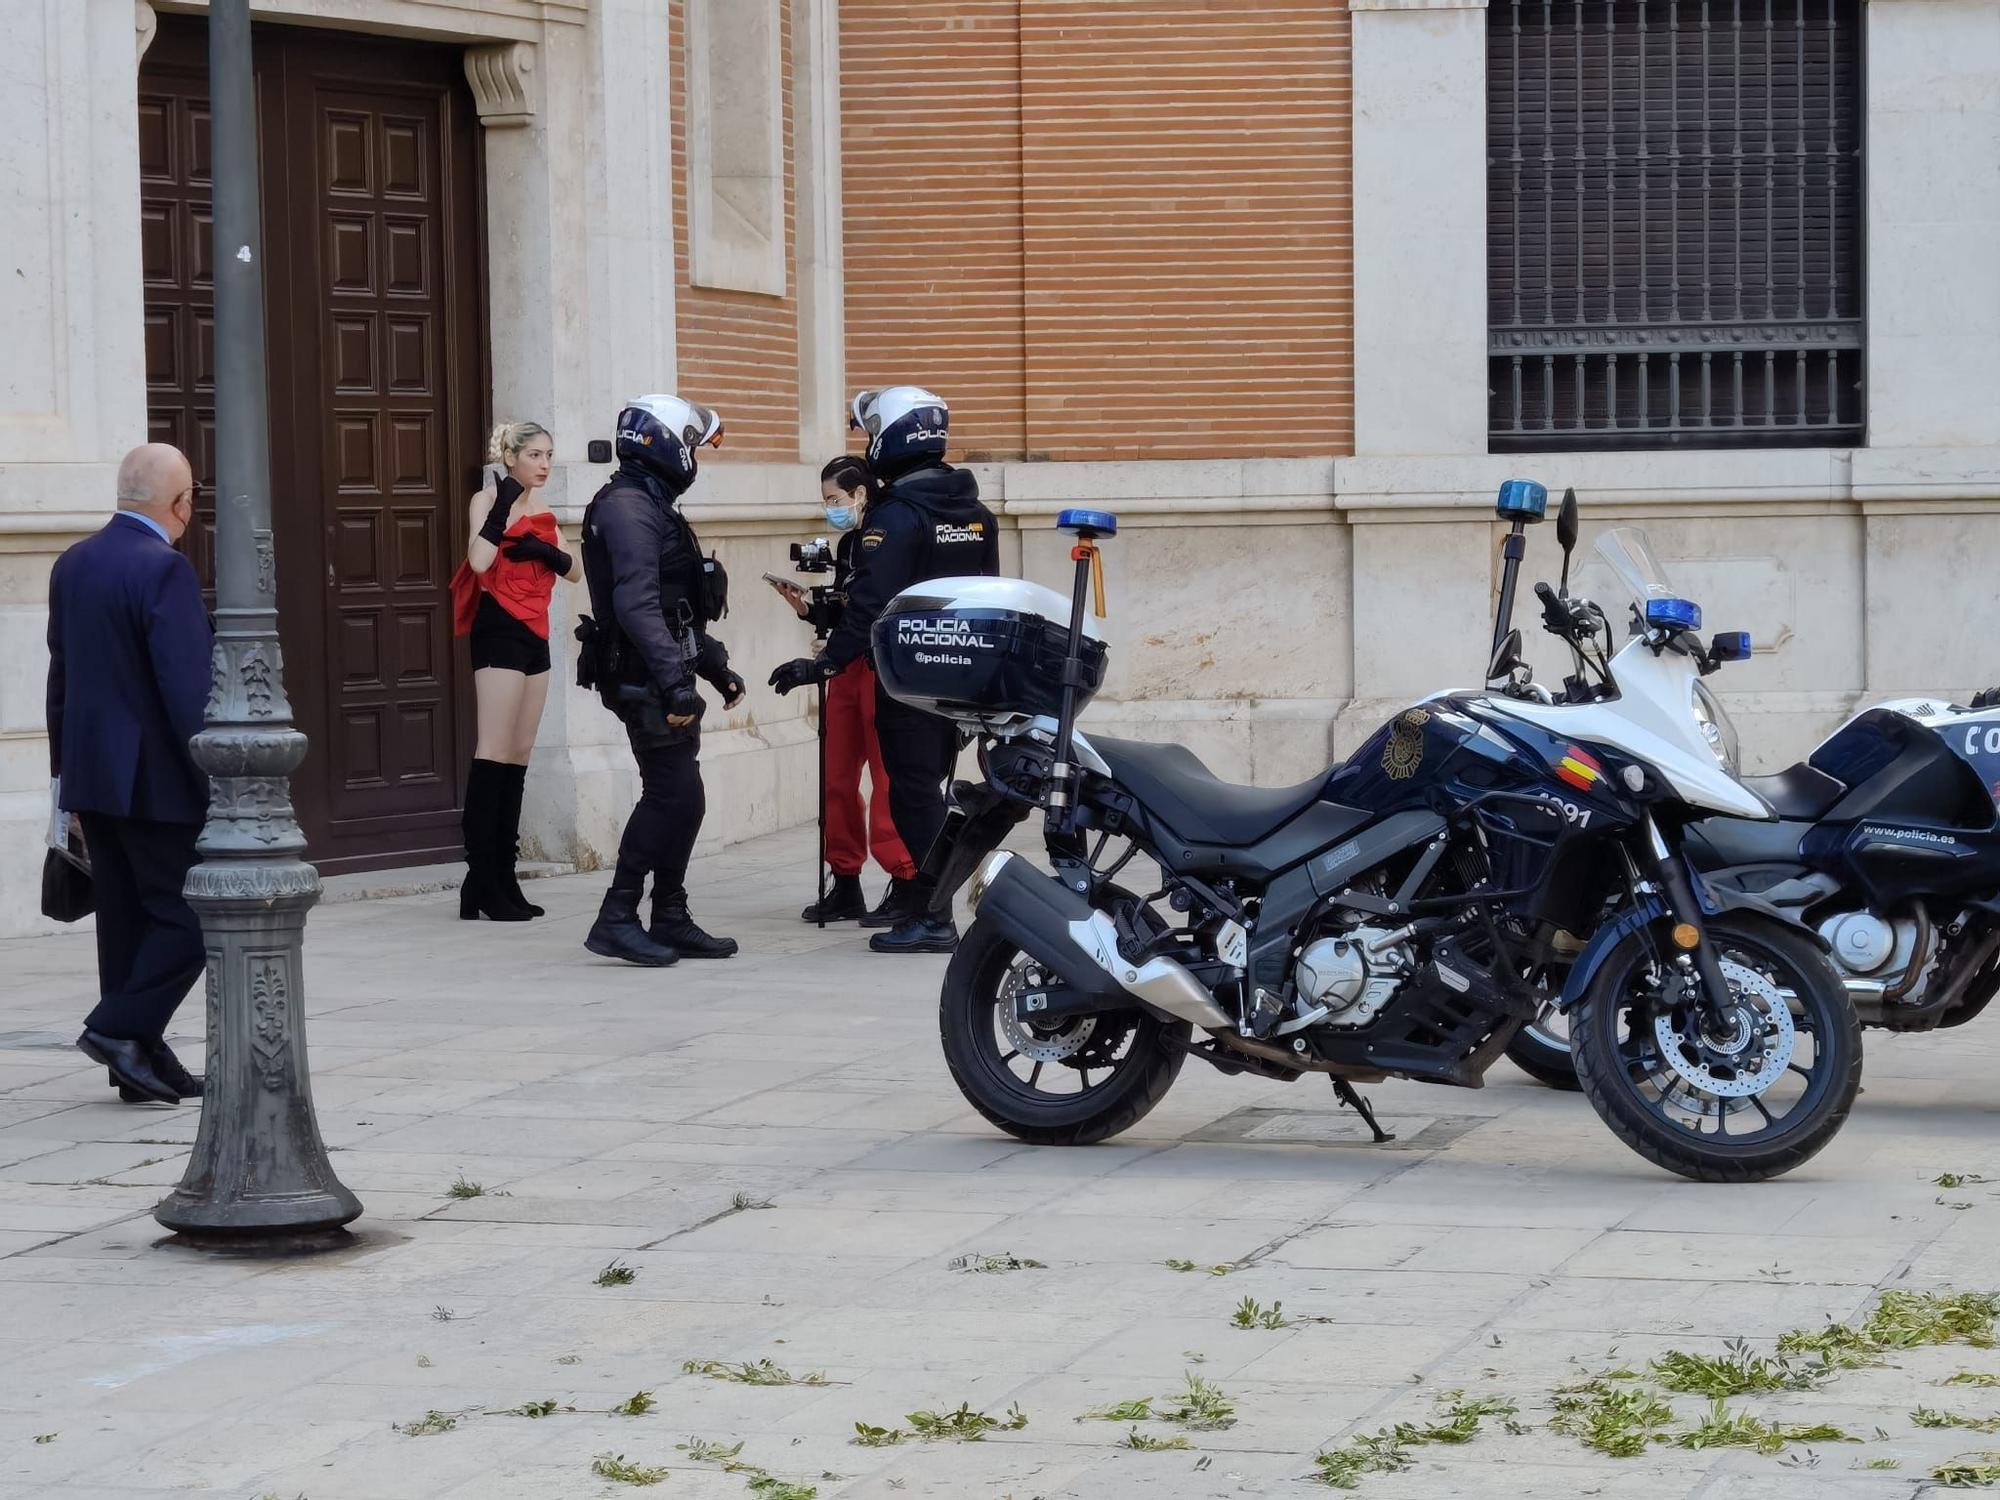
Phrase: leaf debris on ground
(992, 1265)
(615, 1466)
(752, 1372)
(963, 1425)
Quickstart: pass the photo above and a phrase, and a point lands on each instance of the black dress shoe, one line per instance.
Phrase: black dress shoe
(916, 935)
(187, 1085)
(131, 1065)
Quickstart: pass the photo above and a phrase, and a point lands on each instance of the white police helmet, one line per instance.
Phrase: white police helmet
(904, 423)
(662, 433)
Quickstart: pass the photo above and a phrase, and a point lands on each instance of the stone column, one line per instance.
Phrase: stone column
(816, 165)
(1929, 478)
(1423, 567)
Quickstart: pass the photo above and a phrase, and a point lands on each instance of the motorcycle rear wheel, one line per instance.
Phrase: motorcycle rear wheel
(1133, 1057)
(1542, 1051)
(1658, 1080)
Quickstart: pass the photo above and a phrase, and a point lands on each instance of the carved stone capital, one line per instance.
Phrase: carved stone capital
(145, 24)
(503, 83)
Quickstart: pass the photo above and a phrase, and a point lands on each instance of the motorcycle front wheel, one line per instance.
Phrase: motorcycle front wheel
(1742, 1098)
(1070, 1082)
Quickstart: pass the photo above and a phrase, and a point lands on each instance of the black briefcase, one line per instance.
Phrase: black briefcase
(67, 894)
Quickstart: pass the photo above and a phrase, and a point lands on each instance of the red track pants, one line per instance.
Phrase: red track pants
(850, 740)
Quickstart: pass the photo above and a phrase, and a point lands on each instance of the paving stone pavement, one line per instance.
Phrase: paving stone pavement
(1503, 1245)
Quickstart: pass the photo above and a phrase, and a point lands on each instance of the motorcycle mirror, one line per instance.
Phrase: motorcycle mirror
(1506, 655)
(1566, 533)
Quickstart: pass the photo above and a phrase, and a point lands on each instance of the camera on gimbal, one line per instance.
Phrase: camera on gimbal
(815, 556)
(824, 603)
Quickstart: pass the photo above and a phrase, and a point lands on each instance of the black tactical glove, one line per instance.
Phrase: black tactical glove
(730, 686)
(683, 702)
(801, 673)
(534, 549)
(494, 527)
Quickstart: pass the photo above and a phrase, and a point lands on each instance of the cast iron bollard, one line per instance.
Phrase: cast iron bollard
(259, 1179)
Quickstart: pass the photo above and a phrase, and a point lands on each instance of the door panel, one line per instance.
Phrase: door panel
(377, 386)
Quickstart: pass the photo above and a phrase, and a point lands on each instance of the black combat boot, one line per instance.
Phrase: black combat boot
(844, 902)
(617, 933)
(673, 926)
(898, 901)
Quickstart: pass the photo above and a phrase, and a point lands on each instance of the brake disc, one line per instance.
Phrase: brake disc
(1058, 1043)
(1755, 1053)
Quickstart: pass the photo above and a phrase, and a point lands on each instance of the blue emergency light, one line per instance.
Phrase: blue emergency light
(1673, 614)
(1087, 523)
(1522, 500)
(1730, 645)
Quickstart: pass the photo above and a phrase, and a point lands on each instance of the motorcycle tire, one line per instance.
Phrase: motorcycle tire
(966, 1026)
(1543, 1058)
(1605, 1067)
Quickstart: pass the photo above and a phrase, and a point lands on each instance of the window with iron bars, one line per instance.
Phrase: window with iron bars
(1674, 253)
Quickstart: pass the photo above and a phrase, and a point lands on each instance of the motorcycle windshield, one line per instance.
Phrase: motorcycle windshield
(1628, 553)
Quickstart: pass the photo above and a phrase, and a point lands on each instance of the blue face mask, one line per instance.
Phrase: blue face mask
(843, 517)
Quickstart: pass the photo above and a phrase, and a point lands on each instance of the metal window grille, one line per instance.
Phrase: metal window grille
(1674, 223)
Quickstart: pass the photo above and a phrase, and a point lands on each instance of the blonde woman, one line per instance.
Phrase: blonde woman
(501, 600)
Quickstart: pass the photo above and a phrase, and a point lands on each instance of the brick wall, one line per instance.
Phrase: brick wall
(1104, 231)
(739, 352)
(931, 187)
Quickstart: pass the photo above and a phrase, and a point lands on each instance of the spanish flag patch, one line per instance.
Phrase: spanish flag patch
(1579, 769)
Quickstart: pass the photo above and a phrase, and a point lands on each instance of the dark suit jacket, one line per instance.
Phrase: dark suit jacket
(129, 646)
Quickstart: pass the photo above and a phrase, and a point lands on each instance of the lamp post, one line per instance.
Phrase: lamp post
(259, 1178)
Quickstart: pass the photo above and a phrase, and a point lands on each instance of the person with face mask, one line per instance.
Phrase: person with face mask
(652, 598)
(852, 827)
(926, 522)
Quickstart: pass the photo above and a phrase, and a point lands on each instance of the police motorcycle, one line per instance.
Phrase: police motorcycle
(1401, 915)
(1887, 844)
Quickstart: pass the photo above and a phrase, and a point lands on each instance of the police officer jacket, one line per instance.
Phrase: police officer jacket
(644, 569)
(927, 524)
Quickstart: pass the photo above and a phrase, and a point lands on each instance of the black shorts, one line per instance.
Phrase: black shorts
(500, 640)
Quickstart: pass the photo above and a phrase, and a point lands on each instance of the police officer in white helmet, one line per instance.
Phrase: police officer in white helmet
(652, 597)
(926, 523)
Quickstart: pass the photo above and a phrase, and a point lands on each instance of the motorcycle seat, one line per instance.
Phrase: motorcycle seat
(1798, 793)
(1173, 783)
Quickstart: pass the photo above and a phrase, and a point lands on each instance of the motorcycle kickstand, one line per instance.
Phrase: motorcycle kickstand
(1344, 1091)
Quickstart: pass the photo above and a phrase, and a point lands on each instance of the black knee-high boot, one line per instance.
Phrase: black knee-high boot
(482, 894)
(507, 849)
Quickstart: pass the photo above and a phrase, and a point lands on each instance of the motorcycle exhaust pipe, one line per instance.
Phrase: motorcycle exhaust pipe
(1044, 918)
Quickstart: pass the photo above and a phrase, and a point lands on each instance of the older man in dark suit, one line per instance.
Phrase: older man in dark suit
(129, 646)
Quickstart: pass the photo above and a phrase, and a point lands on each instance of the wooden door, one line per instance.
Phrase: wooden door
(377, 389)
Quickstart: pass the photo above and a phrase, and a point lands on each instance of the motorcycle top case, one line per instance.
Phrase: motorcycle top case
(987, 652)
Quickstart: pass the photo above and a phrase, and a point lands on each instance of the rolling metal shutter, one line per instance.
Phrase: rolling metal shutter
(1674, 223)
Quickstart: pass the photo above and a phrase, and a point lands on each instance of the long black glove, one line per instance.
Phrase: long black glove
(494, 527)
(802, 673)
(534, 549)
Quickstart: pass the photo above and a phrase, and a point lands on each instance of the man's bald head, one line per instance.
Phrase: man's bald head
(156, 481)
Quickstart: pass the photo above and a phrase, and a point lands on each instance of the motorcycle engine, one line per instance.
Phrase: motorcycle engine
(1865, 946)
(1352, 975)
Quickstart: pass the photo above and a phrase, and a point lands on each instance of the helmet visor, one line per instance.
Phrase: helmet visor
(862, 416)
(705, 428)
